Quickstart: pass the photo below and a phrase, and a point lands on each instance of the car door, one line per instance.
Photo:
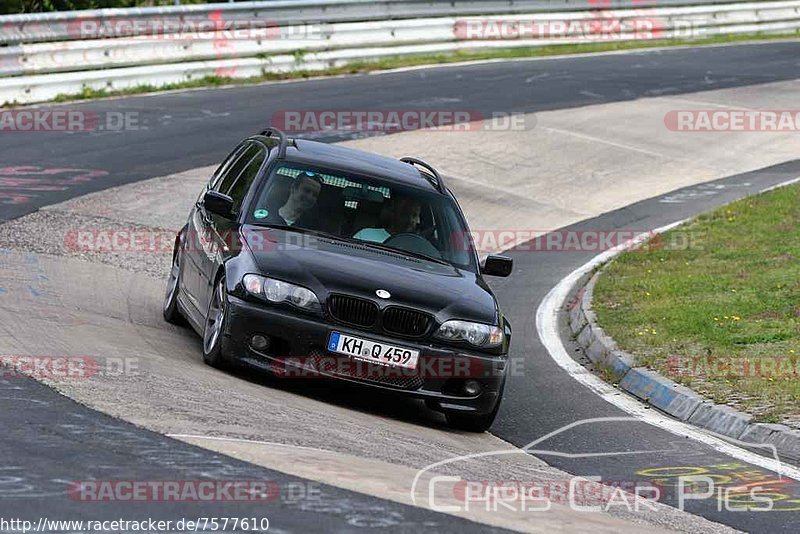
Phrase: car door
(220, 231)
(193, 248)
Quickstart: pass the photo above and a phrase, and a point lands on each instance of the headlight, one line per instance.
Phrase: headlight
(280, 292)
(478, 334)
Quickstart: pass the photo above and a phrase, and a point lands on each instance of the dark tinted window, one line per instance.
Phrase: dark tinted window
(245, 179)
(223, 169)
(230, 174)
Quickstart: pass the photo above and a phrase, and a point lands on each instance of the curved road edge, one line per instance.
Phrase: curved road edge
(549, 319)
(681, 402)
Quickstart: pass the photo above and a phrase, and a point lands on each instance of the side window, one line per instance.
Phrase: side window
(228, 178)
(222, 169)
(240, 188)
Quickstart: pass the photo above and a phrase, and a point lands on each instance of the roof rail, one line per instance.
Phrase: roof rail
(437, 181)
(283, 141)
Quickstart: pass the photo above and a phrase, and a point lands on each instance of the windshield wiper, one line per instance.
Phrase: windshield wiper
(402, 251)
(368, 244)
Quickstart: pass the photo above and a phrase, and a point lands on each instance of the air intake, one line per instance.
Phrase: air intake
(352, 310)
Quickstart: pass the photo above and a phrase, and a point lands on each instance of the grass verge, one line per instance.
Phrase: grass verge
(394, 62)
(716, 305)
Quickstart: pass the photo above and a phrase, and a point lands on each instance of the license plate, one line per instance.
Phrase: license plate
(372, 351)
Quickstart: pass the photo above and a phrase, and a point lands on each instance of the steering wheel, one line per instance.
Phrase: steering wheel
(413, 243)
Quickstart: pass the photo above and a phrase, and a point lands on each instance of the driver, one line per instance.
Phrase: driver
(404, 218)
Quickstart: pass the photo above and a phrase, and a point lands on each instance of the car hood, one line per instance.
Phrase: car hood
(331, 266)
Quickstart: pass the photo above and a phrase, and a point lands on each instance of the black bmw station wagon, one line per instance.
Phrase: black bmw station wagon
(308, 259)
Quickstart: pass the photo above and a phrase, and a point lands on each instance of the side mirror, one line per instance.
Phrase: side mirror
(497, 266)
(218, 204)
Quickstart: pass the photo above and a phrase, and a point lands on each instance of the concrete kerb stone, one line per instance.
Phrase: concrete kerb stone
(577, 320)
(787, 442)
(585, 336)
(599, 347)
(577, 317)
(721, 419)
(662, 393)
(596, 351)
(762, 432)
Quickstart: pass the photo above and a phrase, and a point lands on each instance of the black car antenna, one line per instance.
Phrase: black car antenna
(283, 141)
(437, 180)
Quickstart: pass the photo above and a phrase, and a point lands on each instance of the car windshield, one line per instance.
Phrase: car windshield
(376, 213)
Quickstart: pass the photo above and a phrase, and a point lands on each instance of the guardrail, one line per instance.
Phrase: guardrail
(59, 26)
(118, 49)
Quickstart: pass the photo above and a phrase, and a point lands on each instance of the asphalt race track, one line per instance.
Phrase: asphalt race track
(50, 442)
(47, 433)
(183, 130)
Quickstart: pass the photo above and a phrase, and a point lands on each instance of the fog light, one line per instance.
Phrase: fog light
(472, 387)
(259, 342)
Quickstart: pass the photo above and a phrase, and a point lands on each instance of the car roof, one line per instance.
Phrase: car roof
(357, 162)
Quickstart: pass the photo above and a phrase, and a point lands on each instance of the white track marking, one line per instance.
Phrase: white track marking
(547, 327)
(693, 102)
(604, 141)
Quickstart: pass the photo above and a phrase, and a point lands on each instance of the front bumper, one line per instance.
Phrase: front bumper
(298, 349)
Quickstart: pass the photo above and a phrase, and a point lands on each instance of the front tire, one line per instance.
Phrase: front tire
(171, 310)
(214, 331)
